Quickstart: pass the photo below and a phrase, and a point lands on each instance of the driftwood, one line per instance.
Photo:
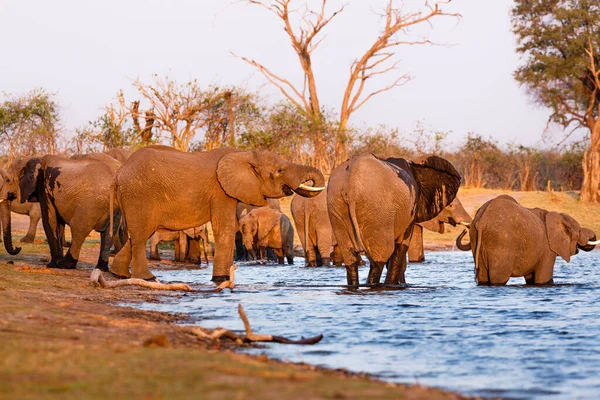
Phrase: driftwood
(97, 279)
(231, 282)
(250, 336)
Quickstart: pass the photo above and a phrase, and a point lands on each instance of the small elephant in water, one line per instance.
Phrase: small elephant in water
(509, 240)
(187, 244)
(269, 229)
(374, 202)
(241, 254)
(454, 214)
(314, 229)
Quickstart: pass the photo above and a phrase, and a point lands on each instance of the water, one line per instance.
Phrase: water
(443, 330)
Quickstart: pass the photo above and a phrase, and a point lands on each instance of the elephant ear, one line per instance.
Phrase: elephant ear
(561, 235)
(438, 182)
(239, 178)
(28, 178)
(433, 225)
(266, 222)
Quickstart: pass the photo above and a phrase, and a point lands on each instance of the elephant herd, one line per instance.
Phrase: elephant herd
(373, 206)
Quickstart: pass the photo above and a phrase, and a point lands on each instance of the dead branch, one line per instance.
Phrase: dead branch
(231, 282)
(97, 280)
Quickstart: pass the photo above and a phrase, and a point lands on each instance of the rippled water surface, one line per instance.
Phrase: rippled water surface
(443, 330)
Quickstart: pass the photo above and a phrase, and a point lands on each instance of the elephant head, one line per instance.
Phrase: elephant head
(454, 215)
(249, 229)
(8, 192)
(566, 236)
(254, 176)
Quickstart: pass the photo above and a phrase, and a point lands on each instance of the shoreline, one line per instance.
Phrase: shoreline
(58, 333)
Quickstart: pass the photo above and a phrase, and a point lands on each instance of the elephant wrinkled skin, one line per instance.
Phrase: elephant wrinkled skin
(509, 240)
(374, 202)
(160, 187)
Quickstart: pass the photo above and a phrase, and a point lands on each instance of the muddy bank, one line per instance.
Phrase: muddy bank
(59, 337)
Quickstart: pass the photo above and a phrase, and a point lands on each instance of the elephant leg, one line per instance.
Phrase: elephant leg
(352, 273)
(34, 219)
(279, 254)
(51, 228)
(194, 252)
(63, 237)
(139, 262)
(224, 228)
(262, 254)
(397, 265)
(415, 247)
(311, 255)
(154, 241)
(183, 247)
(375, 270)
(336, 256)
(529, 279)
(105, 244)
(240, 251)
(544, 273)
(79, 231)
(120, 265)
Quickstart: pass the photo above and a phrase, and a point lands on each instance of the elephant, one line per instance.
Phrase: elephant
(374, 202)
(314, 229)
(75, 193)
(161, 187)
(509, 240)
(454, 214)
(31, 209)
(183, 241)
(241, 254)
(121, 155)
(268, 228)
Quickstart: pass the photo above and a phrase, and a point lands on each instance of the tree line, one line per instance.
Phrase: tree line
(190, 118)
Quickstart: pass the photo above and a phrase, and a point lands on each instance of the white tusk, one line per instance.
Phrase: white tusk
(593, 243)
(310, 188)
(467, 224)
(1, 200)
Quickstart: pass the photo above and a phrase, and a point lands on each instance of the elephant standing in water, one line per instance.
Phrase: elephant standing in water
(241, 254)
(454, 214)
(75, 193)
(187, 244)
(7, 205)
(160, 187)
(268, 228)
(314, 229)
(509, 240)
(374, 202)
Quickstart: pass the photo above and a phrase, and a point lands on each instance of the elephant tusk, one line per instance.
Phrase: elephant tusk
(1, 200)
(310, 188)
(467, 224)
(593, 243)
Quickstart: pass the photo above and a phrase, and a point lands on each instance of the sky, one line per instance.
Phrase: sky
(86, 51)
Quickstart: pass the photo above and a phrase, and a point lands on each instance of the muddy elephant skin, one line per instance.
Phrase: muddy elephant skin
(509, 240)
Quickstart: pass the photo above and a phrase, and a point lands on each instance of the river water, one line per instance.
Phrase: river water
(442, 330)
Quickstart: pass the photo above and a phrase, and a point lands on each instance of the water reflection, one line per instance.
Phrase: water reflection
(441, 330)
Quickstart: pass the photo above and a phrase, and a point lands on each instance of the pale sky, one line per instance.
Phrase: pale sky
(86, 50)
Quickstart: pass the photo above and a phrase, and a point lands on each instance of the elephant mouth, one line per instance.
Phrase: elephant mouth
(307, 189)
(451, 221)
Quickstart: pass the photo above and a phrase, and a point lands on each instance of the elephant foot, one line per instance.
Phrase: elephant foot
(338, 264)
(218, 279)
(27, 239)
(154, 257)
(66, 244)
(52, 264)
(326, 261)
(117, 275)
(67, 262)
(352, 274)
(311, 263)
(280, 260)
(102, 265)
(290, 260)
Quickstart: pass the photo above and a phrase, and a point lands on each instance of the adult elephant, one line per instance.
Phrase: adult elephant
(121, 155)
(75, 193)
(509, 240)
(314, 229)
(160, 187)
(7, 205)
(241, 254)
(454, 214)
(374, 202)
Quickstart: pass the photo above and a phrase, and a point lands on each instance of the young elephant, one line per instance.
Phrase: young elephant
(187, 244)
(27, 208)
(241, 254)
(75, 193)
(509, 240)
(374, 203)
(269, 228)
(454, 214)
(314, 229)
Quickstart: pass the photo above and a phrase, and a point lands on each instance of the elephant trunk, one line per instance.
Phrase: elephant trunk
(460, 245)
(6, 225)
(304, 180)
(591, 244)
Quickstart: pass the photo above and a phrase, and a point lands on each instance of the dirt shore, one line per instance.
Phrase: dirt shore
(62, 338)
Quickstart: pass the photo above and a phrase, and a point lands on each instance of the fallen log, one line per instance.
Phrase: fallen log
(97, 280)
(231, 282)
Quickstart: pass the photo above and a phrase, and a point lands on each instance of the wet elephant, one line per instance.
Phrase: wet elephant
(314, 229)
(241, 254)
(454, 214)
(160, 187)
(374, 202)
(268, 228)
(74, 193)
(509, 240)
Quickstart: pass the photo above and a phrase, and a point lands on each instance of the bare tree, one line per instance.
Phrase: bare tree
(179, 109)
(305, 37)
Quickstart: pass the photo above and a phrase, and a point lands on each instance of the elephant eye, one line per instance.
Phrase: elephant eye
(280, 171)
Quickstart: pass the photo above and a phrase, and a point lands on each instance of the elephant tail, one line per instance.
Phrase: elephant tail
(306, 232)
(358, 243)
(459, 243)
(111, 208)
